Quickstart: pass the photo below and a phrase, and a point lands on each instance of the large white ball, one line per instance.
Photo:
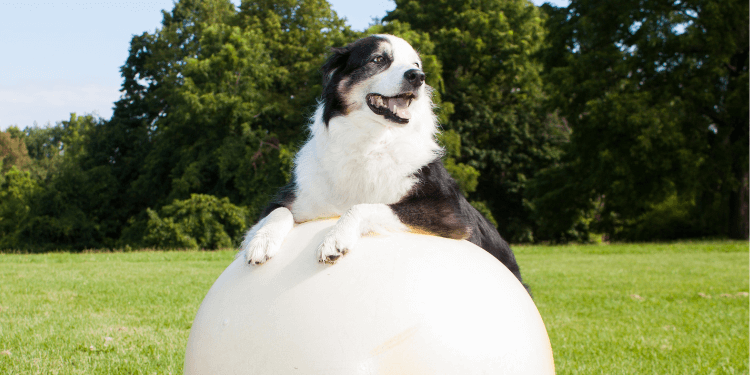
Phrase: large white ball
(395, 304)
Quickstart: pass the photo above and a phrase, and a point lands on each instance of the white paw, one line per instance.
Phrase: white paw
(337, 243)
(264, 239)
(262, 247)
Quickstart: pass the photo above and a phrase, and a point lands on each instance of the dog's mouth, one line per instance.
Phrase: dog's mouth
(393, 108)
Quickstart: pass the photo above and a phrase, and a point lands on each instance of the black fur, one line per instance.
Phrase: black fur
(355, 63)
(437, 205)
(284, 198)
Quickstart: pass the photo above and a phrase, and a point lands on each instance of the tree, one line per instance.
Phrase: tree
(297, 35)
(214, 103)
(206, 138)
(17, 191)
(151, 75)
(493, 82)
(13, 150)
(228, 128)
(58, 204)
(656, 94)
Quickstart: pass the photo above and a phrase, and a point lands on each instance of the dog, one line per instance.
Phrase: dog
(372, 159)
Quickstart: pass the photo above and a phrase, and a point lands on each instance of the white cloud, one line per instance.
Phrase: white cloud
(25, 103)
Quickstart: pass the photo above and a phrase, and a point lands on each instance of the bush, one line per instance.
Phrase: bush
(17, 189)
(203, 221)
(668, 220)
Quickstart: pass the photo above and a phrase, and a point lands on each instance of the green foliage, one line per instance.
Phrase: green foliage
(230, 114)
(166, 234)
(213, 103)
(657, 97)
(17, 192)
(71, 212)
(628, 119)
(205, 141)
(492, 80)
(562, 210)
(13, 151)
(64, 206)
(466, 175)
(203, 221)
(667, 220)
(484, 210)
(297, 35)
(44, 145)
(48, 146)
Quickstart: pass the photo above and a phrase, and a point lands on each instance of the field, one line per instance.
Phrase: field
(678, 308)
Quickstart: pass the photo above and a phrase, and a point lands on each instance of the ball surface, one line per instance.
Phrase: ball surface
(400, 303)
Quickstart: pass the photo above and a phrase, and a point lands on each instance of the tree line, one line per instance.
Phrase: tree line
(626, 119)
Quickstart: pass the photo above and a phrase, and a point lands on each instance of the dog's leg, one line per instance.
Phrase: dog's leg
(264, 239)
(358, 220)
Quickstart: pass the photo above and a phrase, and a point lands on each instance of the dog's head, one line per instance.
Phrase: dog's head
(379, 76)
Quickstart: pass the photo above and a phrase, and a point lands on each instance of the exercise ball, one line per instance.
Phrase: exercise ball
(399, 303)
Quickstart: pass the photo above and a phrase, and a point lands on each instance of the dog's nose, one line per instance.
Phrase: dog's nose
(415, 77)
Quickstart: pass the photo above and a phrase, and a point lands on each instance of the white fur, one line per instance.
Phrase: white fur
(362, 157)
(264, 239)
(358, 220)
(356, 166)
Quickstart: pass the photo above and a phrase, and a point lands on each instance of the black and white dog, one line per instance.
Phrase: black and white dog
(372, 159)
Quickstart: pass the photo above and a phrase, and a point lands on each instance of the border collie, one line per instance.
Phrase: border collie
(372, 159)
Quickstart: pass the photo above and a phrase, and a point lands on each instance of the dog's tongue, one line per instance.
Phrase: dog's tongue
(400, 107)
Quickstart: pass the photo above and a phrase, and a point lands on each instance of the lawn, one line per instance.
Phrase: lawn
(677, 308)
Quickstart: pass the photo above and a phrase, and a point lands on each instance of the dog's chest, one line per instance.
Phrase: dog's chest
(334, 176)
(379, 174)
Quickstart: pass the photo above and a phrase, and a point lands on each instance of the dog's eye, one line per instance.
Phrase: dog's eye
(417, 64)
(377, 59)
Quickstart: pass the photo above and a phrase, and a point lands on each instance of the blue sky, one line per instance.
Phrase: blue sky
(64, 56)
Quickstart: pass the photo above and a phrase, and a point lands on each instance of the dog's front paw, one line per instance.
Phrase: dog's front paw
(264, 239)
(261, 247)
(337, 243)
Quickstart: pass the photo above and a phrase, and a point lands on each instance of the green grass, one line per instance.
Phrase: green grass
(609, 309)
(643, 309)
(105, 313)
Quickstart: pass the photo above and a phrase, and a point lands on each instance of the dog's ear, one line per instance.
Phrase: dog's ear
(337, 61)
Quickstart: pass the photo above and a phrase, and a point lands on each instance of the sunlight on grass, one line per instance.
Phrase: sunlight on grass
(643, 308)
(119, 313)
(610, 309)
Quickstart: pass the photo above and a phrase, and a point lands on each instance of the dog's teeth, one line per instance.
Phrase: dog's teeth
(397, 105)
(400, 107)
